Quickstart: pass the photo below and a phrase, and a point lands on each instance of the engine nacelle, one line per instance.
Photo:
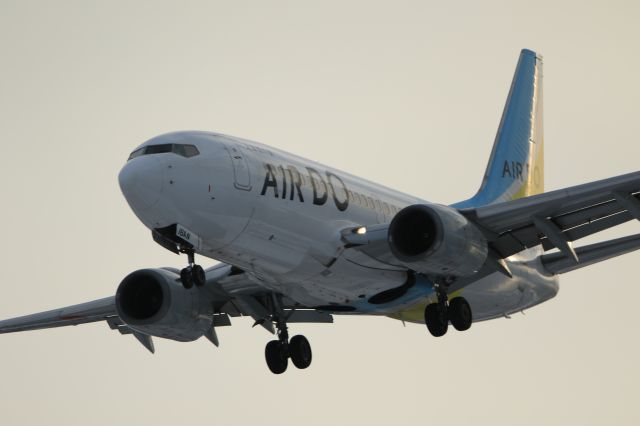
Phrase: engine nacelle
(154, 302)
(438, 240)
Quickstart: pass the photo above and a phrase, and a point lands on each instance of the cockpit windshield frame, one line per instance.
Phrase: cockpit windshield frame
(182, 150)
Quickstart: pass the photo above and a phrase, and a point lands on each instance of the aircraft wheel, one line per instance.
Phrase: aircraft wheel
(198, 276)
(460, 313)
(435, 316)
(276, 354)
(186, 276)
(300, 351)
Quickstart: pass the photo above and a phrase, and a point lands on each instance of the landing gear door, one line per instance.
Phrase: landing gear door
(241, 172)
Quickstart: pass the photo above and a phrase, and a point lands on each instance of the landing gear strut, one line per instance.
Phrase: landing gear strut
(437, 315)
(192, 274)
(278, 352)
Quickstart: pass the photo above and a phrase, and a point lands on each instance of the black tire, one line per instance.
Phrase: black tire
(186, 276)
(460, 313)
(198, 276)
(276, 356)
(300, 352)
(436, 319)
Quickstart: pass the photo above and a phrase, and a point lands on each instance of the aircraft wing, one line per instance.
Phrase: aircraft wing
(97, 310)
(231, 291)
(94, 311)
(555, 219)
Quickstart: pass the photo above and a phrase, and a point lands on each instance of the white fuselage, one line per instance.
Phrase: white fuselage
(278, 217)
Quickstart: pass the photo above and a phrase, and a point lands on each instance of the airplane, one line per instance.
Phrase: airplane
(300, 242)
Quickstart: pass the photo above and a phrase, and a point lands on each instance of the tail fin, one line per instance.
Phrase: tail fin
(516, 165)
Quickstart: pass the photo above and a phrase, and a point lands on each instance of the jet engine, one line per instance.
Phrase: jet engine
(437, 240)
(154, 302)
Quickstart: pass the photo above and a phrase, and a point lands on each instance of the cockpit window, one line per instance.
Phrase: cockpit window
(186, 151)
(158, 149)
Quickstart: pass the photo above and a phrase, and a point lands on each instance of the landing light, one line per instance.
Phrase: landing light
(361, 231)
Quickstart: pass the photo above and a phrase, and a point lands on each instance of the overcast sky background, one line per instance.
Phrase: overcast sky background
(405, 93)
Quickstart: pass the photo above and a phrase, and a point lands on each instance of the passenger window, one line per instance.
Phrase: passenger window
(370, 202)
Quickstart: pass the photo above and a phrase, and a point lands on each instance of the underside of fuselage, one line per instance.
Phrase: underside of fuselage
(346, 288)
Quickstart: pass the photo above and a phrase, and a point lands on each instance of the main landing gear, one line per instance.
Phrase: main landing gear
(192, 274)
(438, 315)
(278, 352)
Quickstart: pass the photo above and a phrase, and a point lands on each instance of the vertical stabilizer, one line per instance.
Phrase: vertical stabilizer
(516, 165)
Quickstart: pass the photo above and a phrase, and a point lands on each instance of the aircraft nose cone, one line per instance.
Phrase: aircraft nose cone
(141, 182)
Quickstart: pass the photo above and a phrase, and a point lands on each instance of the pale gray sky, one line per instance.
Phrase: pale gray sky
(406, 93)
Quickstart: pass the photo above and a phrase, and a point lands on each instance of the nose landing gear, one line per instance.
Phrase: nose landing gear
(437, 315)
(192, 274)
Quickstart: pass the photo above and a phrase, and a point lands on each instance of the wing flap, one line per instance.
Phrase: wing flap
(597, 225)
(506, 216)
(574, 213)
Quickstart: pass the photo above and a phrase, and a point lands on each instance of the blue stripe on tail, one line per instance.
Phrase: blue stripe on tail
(516, 165)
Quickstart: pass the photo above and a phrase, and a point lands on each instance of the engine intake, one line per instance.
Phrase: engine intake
(154, 302)
(141, 296)
(436, 239)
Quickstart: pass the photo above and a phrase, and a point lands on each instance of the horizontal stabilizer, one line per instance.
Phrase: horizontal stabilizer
(559, 263)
